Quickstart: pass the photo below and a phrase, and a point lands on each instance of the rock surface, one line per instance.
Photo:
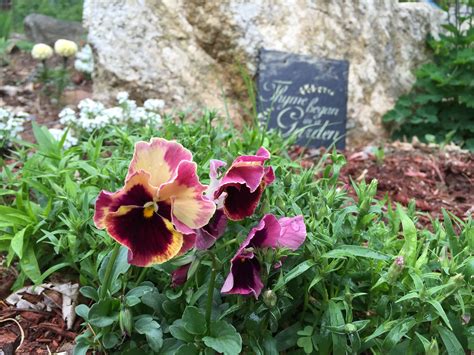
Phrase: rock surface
(46, 29)
(187, 52)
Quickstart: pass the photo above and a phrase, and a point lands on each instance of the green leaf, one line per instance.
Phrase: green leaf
(224, 338)
(178, 331)
(89, 292)
(306, 343)
(53, 269)
(288, 337)
(170, 346)
(408, 296)
(18, 242)
(425, 342)
(187, 349)
(139, 291)
(82, 311)
(295, 272)
(336, 319)
(398, 332)
(104, 313)
(152, 330)
(194, 321)
(45, 140)
(453, 347)
(452, 238)
(439, 309)
(29, 265)
(110, 340)
(408, 250)
(121, 266)
(355, 251)
(81, 348)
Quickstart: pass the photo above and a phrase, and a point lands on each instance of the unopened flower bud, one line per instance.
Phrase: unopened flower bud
(270, 298)
(126, 321)
(350, 328)
(433, 348)
(400, 261)
(396, 269)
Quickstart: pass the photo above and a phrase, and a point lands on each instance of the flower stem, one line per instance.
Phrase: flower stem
(108, 271)
(142, 275)
(210, 294)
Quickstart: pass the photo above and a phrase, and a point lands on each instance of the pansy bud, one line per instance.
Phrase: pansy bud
(126, 321)
(270, 298)
(350, 328)
(396, 269)
(433, 348)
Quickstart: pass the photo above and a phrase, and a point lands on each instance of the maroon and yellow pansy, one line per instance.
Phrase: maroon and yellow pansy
(243, 184)
(161, 203)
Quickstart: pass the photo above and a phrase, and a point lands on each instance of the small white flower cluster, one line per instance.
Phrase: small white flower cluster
(85, 60)
(93, 115)
(58, 135)
(11, 125)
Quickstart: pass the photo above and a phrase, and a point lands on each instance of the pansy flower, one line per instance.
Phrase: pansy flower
(244, 277)
(243, 183)
(180, 275)
(162, 202)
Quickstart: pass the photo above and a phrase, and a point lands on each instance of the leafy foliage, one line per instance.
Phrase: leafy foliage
(367, 279)
(440, 106)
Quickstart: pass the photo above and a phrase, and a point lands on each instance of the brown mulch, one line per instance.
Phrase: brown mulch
(435, 178)
(19, 89)
(41, 332)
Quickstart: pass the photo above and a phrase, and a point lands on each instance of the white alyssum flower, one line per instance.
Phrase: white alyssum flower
(65, 48)
(11, 125)
(41, 51)
(85, 60)
(122, 96)
(58, 134)
(154, 104)
(93, 115)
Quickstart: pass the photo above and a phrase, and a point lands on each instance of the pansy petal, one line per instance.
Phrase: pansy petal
(213, 175)
(261, 156)
(189, 207)
(180, 275)
(136, 192)
(151, 239)
(244, 277)
(250, 175)
(293, 232)
(265, 235)
(160, 158)
(189, 241)
(269, 176)
(207, 235)
(240, 202)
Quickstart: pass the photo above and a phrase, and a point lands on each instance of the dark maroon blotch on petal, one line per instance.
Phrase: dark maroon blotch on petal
(146, 237)
(240, 202)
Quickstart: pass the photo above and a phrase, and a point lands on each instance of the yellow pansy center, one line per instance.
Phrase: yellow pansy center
(149, 209)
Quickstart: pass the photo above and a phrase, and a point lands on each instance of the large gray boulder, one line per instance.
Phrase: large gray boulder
(46, 29)
(186, 52)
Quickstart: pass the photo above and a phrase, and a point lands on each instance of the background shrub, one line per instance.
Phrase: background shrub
(440, 106)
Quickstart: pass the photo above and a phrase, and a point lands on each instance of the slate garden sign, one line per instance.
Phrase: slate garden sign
(303, 95)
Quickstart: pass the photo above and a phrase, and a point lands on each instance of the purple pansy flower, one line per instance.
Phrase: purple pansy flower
(244, 277)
